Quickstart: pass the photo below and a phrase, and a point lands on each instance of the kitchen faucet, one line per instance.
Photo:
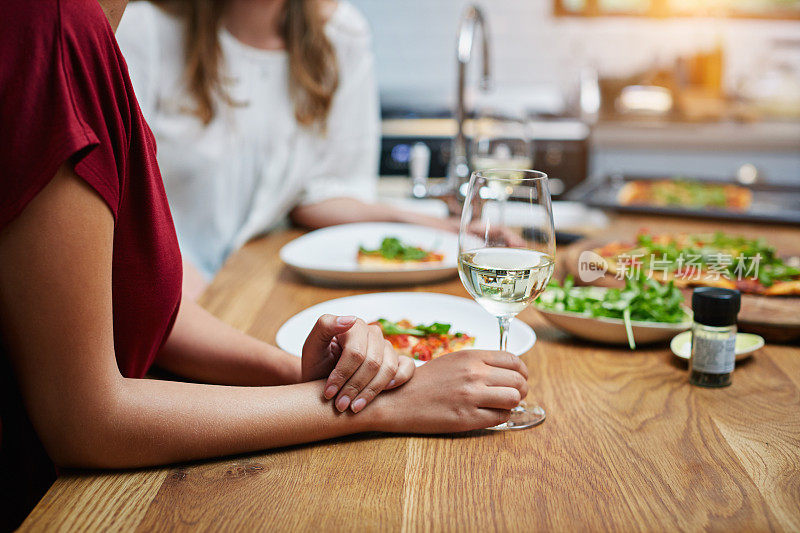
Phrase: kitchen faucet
(472, 19)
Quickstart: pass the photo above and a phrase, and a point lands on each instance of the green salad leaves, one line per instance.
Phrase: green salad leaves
(647, 300)
(393, 248)
(642, 300)
(391, 328)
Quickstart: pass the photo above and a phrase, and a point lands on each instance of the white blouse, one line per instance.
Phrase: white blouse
(241, 174)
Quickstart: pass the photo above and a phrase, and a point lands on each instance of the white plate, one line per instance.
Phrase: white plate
(329, 255)
(611, 330)
(566, 215)
(746, 344)
(419, 307)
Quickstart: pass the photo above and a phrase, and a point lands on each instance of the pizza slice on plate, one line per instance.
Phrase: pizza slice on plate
(716, 260)
(393, 253)
(423, 342)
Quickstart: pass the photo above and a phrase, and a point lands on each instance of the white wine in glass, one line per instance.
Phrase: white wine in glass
(506, 252)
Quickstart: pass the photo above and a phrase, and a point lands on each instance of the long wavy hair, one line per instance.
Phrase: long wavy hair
(313, 70)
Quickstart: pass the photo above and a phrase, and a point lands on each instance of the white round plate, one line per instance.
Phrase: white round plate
(611, 330)
(329, 255)
(463, 314)
(746, 344)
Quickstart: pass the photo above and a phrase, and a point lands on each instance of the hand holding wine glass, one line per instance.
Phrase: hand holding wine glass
(507, 266)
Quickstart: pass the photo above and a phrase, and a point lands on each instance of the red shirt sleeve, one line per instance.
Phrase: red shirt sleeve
(52, 110)
(65, 96)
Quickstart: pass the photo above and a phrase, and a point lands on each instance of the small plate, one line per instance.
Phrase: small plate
(611, 330)
(746, 344)
(329, 255)
(419, 307)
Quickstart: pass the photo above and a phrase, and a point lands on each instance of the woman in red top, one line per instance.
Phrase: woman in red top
(90, 277)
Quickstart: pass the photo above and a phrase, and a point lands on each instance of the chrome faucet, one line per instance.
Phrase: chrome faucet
(472, 19)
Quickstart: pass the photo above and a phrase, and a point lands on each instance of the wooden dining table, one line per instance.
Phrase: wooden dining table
(628, 444)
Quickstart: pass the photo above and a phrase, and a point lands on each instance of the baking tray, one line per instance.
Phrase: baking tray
(771, 203)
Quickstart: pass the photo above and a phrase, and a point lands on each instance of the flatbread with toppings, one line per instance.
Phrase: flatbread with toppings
(423, 342)
(685, 193)
(393, 253)
(716, 260)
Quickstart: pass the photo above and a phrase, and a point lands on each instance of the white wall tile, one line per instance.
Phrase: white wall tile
(415, 44)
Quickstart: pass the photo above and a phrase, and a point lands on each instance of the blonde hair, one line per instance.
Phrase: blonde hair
(313, 70)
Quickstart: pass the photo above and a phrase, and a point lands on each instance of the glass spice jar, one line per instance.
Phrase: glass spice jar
(713, 336)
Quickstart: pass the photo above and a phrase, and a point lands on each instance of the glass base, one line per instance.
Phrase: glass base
(522, 417)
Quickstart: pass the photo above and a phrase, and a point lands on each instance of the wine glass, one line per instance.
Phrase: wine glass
(506, 251)
(498, 142)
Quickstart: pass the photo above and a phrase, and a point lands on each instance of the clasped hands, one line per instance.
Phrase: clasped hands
(470, 389)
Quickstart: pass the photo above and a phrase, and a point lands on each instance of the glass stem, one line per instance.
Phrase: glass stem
(504, 322)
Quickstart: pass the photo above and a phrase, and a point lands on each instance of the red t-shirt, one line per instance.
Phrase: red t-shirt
(65, 95)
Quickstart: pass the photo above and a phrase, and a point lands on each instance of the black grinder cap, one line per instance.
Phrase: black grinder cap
(714, 306)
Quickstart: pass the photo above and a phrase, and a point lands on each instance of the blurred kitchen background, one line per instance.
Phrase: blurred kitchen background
(607, 89)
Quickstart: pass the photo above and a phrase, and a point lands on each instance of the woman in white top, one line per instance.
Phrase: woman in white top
(261, 109)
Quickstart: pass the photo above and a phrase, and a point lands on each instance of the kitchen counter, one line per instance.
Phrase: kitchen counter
(566, 129)
(732, 136)
(770, 136)
(628, 443)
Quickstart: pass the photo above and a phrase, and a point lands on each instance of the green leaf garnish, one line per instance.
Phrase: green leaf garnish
(393, 248)
(391, 328)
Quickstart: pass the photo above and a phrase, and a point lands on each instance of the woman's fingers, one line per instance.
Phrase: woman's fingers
(498, 397)
(493, 417)
(405, 370)
(324, 331)
(502, 377)
(369, 358)
(354, 345)
(335, 348)
(505, 360)
(320, 350)
(385, 375)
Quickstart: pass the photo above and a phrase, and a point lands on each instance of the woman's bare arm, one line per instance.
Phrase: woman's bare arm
(353, 357)
(56, 315)
(194, 283)
(346, 210)
(203, 348)
(56, 320)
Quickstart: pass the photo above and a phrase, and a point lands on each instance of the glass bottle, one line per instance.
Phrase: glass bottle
(713, 336)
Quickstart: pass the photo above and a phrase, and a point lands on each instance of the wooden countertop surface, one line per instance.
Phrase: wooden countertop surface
(770, 136)
(628, 444)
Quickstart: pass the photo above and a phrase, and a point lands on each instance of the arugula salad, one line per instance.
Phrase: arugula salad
(642, 299)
